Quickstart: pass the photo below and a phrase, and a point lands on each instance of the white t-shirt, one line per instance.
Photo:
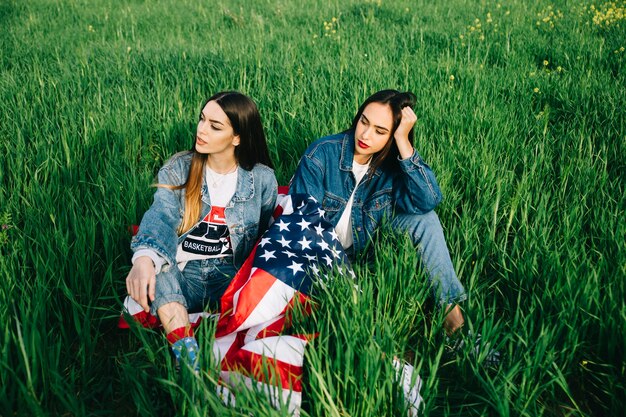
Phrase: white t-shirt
(344, 226)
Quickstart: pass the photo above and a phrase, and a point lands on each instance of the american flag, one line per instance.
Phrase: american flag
(252, 339)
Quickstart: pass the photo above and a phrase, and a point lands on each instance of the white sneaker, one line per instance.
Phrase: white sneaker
(410, 388)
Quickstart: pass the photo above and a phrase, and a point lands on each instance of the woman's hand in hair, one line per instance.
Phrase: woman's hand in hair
(401, 135)
(141, 281)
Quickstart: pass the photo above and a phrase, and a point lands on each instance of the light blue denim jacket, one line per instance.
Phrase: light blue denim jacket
(325, 172)
(247, 214)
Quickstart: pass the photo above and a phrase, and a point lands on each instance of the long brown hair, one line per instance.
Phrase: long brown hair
(245, 119)
(397, 101)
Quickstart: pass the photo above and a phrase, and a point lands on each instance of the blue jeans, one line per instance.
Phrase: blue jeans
(427, 235)
(202, 282)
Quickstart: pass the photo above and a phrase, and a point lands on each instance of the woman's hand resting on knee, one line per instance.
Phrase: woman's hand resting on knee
(141, 281)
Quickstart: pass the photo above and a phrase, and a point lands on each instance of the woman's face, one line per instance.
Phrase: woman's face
(215, 134)
(372, 132)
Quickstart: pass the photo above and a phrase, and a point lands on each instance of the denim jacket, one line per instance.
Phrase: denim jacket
(247, 214)
(325, 172)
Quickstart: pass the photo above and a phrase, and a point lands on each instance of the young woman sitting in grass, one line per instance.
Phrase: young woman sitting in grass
(211, 205)
(371, 172)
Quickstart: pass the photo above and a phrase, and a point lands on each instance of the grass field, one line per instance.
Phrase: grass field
(522, 117)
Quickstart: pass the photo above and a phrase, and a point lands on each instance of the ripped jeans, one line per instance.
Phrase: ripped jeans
(201, 282)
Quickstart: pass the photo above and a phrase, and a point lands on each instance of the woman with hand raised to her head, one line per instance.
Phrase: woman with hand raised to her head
(371, 172)
(211, 205)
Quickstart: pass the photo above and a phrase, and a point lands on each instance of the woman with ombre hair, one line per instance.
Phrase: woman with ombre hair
(211, 205)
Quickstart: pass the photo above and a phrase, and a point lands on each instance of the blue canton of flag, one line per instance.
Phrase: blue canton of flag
(301, 246)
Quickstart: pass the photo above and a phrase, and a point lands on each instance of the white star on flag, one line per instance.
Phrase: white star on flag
(265, 241)
(315, 269)
(329, 261)
(303, 224)
(282, 225)
(319, 229)
(309, 258)
(333, 234)
(324, 245)
(289, 254)
(334, 252)
(321, 212)
(269, 254)
(284, 242)
(306, 244)
(295, 267)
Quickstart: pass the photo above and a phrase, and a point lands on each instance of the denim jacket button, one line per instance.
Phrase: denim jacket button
(358, 229)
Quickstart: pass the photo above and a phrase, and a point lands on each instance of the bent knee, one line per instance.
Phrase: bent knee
(417, 225)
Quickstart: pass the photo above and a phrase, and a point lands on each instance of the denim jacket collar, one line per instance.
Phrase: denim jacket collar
(347, 152)
(243, 192)
(245, 185)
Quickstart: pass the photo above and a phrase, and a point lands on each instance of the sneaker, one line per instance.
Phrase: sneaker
(410, 388)
(480, 350)
(186, 350)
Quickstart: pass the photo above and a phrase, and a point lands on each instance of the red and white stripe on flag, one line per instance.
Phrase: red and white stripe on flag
(272, 365)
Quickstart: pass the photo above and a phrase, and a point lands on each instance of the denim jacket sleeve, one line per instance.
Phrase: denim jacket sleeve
(308, 178)
(269, 195)
(415, 188)
(157, 230)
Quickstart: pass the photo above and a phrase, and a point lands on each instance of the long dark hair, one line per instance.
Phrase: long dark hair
(246, 122)
(245, 119)
(397, 101)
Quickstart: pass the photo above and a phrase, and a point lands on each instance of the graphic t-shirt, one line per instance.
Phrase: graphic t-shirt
(210, 237)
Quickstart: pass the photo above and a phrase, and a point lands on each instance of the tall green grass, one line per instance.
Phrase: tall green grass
(522, 118)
